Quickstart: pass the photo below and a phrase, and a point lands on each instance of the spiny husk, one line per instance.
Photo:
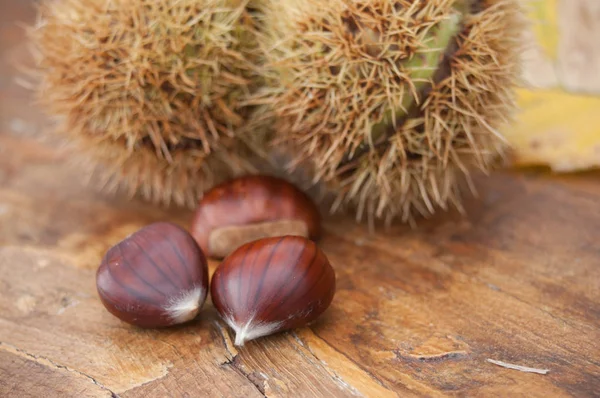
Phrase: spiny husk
(150, 92)
(392, 103)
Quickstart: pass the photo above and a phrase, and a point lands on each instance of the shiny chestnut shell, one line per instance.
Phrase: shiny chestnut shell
(156, 277)
(272, 284)
(253, 200)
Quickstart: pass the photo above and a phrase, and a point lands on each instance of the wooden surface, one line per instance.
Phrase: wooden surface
(417, 313)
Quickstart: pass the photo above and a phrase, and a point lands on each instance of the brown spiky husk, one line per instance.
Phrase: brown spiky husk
(150, 92)
(337, 68)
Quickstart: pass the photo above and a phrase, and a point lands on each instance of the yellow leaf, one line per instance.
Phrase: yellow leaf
(557, 129)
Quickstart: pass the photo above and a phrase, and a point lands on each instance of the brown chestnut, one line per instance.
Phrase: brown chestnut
(250, 208)
(156, 277)
(272, 284)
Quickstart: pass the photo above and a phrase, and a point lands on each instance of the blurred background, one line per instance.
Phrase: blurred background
(559, 122)
(15, 107)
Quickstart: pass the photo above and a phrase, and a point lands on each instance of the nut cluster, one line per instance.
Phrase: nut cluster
(273, 277)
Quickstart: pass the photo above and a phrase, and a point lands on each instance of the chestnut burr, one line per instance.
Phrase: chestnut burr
(272, 284)
(156, 277)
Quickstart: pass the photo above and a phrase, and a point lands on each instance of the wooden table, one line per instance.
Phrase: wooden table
(417, 313)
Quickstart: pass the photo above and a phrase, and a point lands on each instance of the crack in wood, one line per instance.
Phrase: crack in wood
(260, 387)
(233, 353)
(47, 362)
(232, 362)
(433, 357)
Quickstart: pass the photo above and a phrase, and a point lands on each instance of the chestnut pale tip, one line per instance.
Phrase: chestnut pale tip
(251, 329)
(185, 306)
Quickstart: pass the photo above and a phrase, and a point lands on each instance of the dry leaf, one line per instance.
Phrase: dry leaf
(557, 129)
(558, 125)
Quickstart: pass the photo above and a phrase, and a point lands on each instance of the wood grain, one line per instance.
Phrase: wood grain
(24, 375)
(417, 312)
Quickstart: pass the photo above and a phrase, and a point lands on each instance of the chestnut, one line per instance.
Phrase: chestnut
(155, 277)
(249, 208)
(272, 284)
